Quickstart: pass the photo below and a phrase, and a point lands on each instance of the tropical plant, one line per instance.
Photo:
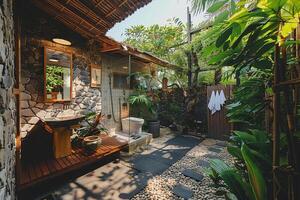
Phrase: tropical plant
(93, 126)
(164, 42)
(144, 104)
(250, 176)
(247, 109)
(245, 39)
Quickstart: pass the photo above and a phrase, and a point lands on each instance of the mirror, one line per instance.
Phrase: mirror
(57, 75)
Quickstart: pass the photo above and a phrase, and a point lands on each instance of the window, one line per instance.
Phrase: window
(120, 81)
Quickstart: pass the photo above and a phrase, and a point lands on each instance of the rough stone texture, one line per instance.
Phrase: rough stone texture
(7, 102)
(161, 187)
(33, 107)
(37, 31)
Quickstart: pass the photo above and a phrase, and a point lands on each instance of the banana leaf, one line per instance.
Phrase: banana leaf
(255, 175)
(235, 151)
(245, 137)
(234, 181)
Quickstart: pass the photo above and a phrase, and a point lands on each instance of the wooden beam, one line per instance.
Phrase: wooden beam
(88, 9)
(117, 8)
(110, 49)
(58, 4)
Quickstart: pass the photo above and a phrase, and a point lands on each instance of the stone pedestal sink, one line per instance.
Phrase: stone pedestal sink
(62, 131)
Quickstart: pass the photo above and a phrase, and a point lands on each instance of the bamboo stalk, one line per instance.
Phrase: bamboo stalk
(276, 119)
(290, 113)
(289, 106)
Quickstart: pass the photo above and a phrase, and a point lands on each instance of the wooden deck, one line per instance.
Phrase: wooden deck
(38, 171)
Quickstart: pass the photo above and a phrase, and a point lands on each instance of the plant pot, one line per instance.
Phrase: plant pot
(154, 128)
(91, 143)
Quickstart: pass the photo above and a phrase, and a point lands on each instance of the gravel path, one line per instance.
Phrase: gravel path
(160, 187)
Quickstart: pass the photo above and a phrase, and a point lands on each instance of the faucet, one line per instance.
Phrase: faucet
(55, 112)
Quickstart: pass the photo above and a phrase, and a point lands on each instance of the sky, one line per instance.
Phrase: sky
(156, 12)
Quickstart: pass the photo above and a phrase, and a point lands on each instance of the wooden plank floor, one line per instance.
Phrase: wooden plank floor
(38, 171)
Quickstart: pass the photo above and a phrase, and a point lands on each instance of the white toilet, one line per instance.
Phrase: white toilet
(132, 125)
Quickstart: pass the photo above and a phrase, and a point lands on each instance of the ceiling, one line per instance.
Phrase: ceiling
(91, 18)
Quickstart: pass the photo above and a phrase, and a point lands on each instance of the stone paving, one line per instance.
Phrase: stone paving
(175, 183)
(127, 177)
(170, 168)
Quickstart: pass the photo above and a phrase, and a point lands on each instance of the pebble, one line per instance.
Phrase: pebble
(161, 187)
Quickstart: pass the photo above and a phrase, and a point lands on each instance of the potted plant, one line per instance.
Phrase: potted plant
(144, 105)
(89, 135)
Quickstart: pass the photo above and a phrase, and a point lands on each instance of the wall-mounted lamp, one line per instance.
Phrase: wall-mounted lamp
(125, 67)
(62, 41)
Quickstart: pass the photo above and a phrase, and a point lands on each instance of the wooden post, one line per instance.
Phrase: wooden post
(62, 142)
(17, 19)
(218, 76)
(276, 119)
(189, 37)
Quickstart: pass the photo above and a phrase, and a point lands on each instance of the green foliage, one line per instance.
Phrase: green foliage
(247, 107)
(243, 36)
(216, 6)
(93, 126)
(256, 178)
(143, 105)
(171, 106)
(248, 178)
(140, 99)
(163, 42)
(53, 77)
(232, 179)
(156, 39)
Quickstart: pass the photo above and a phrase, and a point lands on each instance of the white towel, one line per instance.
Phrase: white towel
(222, 98)
(218, 101)
(211, 104)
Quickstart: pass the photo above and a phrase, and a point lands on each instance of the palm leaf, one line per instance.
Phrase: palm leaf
(232, 179)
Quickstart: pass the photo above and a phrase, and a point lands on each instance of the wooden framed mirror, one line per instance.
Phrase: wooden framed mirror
(57, 75)
(96, 76)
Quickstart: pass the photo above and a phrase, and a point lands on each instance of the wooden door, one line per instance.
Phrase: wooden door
(218, 125)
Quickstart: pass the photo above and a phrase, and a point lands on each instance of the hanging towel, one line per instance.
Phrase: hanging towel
(222, 98)
(218, 101)
(211, 104)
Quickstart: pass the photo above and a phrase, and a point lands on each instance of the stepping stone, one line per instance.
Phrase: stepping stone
(131, 194)
(214, 149)
(182, 191)
(193, 174)
(203, 163)
(146, 164)
(222, 143)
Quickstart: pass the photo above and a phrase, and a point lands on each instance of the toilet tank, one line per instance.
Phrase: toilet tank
(132, 125)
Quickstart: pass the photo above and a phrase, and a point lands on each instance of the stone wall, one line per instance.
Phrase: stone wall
(37, 32)
(84, 98)
(7, 102)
